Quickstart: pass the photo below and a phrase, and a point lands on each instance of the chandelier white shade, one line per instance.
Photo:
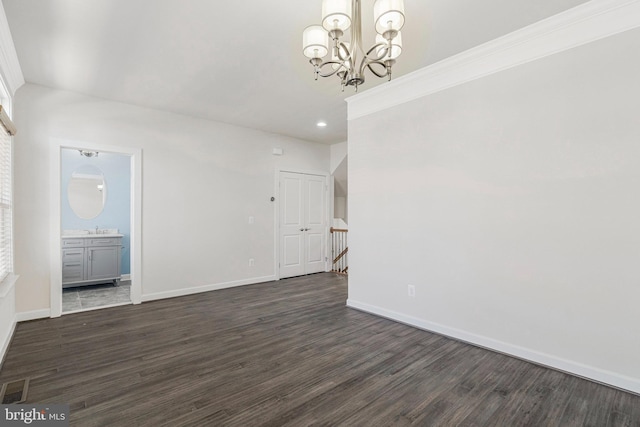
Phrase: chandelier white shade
(348, 59)
(315, 42)
(336, 14)
(388, 15)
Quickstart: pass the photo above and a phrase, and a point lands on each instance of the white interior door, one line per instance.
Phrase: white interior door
(315, 225)
(291, 225)
(302, 224)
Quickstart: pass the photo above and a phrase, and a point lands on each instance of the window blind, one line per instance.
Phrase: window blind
(6, 245)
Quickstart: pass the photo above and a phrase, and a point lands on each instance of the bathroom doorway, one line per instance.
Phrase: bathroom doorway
(95, 237)
(95, 215)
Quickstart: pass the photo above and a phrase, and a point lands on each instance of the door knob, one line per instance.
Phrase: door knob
(302, 229)
(307, 229)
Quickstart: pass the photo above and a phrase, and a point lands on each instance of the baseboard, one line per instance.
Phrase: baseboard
(575, 368)
(33, 315)
(206, 288)
(7, 342)
(125, 277)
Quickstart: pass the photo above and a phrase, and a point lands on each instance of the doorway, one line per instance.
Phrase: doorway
(302, 223)
(95, 214)
(108, 244)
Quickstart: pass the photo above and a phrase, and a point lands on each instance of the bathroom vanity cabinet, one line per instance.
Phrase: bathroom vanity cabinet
(91, 259)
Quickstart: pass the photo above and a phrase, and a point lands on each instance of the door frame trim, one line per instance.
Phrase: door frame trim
(276, 214)
(55, 240)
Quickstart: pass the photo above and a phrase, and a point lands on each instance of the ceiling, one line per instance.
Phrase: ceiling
(237, 62)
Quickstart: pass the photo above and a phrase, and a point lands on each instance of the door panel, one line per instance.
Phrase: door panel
(315, 253)
(315, 212)
(302, 224)
(291, 194)
(292, 249)
(291, 225)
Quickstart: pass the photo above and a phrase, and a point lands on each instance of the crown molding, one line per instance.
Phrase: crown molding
(9, 64)
(580, 25)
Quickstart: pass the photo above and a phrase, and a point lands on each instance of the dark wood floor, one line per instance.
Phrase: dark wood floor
(288, 353)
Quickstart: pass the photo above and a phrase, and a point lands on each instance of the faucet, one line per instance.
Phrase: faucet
(96, 229)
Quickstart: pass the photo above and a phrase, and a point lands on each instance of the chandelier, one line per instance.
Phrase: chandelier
(345, 61)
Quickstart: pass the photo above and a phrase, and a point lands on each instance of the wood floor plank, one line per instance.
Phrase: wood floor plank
(288, 353)
(622, 411)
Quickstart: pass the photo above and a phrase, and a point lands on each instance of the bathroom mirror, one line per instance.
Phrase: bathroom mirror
(87, 192)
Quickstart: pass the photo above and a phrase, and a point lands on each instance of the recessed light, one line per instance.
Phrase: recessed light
(322, 124)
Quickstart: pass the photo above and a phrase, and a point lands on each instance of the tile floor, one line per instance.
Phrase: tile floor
(82, 298)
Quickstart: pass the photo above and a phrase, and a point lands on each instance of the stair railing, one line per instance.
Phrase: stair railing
(339, 249)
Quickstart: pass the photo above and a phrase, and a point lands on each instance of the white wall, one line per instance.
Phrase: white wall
(201, 181)
(339, 167)
(338, 153)
(340, 207)
(512, 204)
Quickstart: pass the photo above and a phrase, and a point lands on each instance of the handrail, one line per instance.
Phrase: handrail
(338, 230)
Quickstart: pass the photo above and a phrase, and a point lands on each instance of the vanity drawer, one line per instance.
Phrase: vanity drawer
(72, 271)
(72, 255)
(106, 241)
(72, 243)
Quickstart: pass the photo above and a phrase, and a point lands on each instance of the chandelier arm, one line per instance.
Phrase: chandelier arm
(339, 55)
(333, 71)
(367, 61)
(377, 74)
(384, 51)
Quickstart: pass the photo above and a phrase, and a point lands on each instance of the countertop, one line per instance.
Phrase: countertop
(91, 236)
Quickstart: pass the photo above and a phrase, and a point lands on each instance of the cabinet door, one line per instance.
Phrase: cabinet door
(103, 262)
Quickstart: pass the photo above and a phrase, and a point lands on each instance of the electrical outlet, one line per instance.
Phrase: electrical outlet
(411, 291)
(251, 262)
(250, 220)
